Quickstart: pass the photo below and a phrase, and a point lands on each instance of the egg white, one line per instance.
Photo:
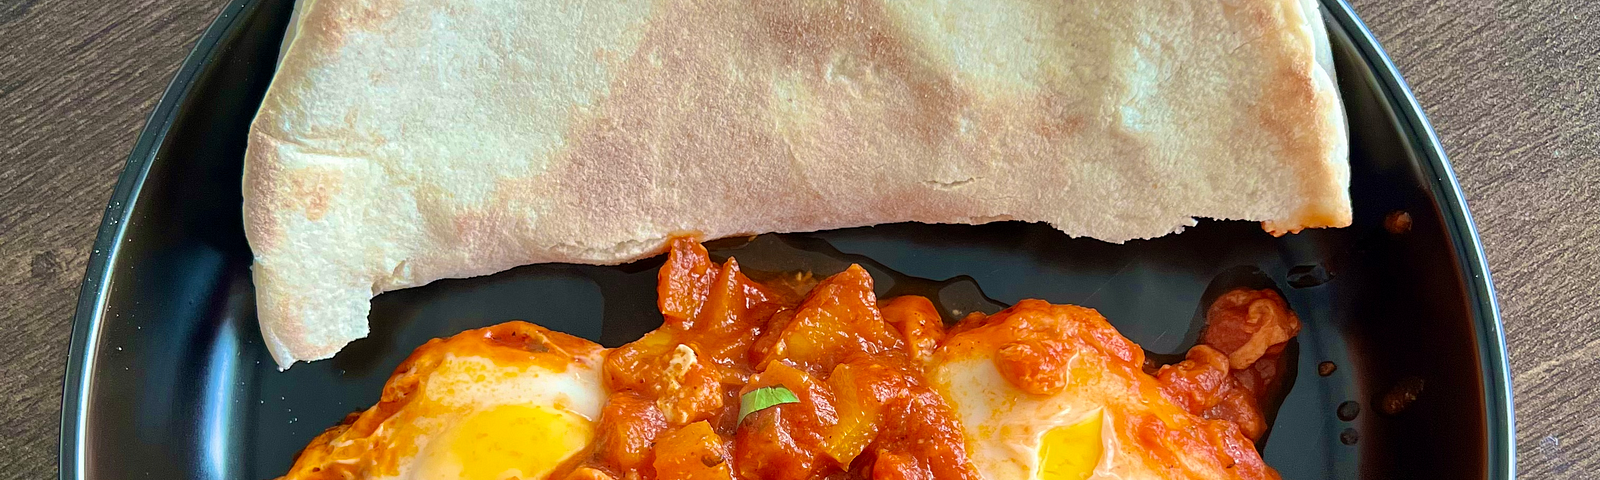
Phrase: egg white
(1006, 427)
(482, 421)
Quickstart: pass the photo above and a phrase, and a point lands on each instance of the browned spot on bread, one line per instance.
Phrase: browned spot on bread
(1291, 92)
(262, 174)
(345, 17)
(312, 188)
(1057, 126)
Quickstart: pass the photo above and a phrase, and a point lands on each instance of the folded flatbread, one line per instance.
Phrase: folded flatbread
(406, 141)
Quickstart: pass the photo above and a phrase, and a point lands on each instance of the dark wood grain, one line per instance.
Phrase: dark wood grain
(1513, 87)
(77, 79)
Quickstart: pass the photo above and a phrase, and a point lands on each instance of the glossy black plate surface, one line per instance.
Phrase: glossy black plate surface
(168, 377)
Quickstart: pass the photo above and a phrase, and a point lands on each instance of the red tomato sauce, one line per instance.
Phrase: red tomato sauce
(1238, 362)
(863, 408)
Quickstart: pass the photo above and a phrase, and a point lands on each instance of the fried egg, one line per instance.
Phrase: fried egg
(1034, 392)
(1014, 435)
(1053, 392)
(512, 401)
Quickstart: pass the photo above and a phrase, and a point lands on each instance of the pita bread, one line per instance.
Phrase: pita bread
(405, 141)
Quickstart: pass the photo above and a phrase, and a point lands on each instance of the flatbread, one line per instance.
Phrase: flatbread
(405, 141)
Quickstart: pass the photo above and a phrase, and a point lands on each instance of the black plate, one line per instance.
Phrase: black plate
(168, 378)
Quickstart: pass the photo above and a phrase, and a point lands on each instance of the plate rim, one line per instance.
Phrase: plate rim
(1399, 99)
(89, 312)
(1499, 411)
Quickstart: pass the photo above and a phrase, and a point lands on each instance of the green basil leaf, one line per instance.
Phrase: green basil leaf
(764, 398)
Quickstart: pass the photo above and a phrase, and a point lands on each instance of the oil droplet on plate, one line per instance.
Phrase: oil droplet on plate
(1326, 368)
(1349, 436)
(1397, 222)
(1349, 410)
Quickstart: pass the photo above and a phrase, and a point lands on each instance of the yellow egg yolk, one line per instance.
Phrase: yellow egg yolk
(1070, 452)
(509, 442)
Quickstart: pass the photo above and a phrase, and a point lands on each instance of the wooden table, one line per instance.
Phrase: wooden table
(1513, 87)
